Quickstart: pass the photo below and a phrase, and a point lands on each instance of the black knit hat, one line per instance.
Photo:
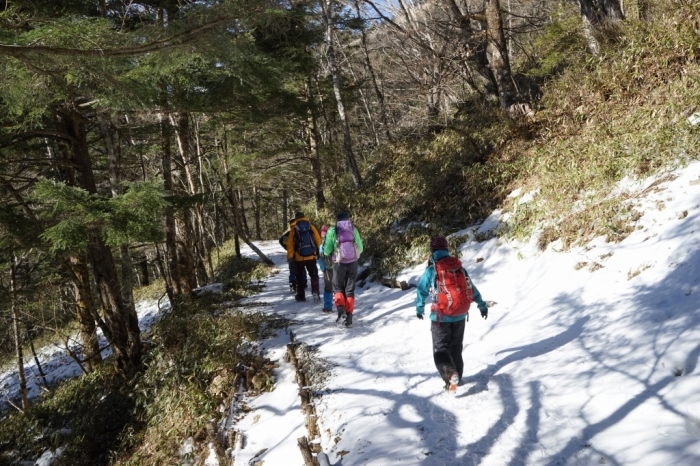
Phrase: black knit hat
(343, 216)
(438, 242)
(299, 215)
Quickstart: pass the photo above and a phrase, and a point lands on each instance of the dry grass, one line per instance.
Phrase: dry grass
(604, 118)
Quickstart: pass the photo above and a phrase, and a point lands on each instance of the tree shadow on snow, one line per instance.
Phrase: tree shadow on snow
(658, 347)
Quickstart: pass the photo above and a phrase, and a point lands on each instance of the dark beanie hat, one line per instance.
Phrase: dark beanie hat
(438, 242)
(299, 215)
(343, 216)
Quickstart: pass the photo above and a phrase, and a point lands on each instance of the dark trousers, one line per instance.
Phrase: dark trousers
(302, 267)
(293, 273)
(344, 277)
(447, 347)
(328, 277)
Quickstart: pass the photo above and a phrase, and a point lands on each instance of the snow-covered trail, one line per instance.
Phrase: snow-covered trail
(576, 365)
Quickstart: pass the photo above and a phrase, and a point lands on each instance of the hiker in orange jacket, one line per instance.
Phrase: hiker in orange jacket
(302, 247)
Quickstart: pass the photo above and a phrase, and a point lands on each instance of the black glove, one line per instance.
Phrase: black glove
(484, 313)
(420, 316)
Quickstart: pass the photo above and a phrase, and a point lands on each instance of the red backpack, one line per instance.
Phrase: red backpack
(453, 292)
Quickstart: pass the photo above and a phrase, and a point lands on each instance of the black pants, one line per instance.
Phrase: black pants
(302, 267)
(447, 347)
(293, 273)
(344, 278)
(328, 276)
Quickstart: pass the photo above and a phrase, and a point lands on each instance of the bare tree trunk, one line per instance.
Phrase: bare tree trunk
(612, 10)
(347, 143)
(143, 264)
(313, 147)
(232, 199)
(596, 12)
(18, 338)
(476, 50)
(122, 321)
(256, 212)
(643, 8)
(434, 92)
(30, 337)
(187, 252)
(127, 267)
(206, 250)
(498, 53)
(285, 208)
(329, 129)
(170, 228)
(375, 81)
(191, 259)
(244, 220)
(86, 311)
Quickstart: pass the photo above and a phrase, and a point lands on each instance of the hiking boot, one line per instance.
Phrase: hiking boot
(341, 314)
(453, 382)
(317, 298)
(326, 311)
(300, 299)
(348, 320)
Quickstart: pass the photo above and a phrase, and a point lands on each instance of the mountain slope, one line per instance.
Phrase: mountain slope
(589, 356)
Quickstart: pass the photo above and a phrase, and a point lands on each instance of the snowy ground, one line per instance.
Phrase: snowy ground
(56, 362)
(576, 365)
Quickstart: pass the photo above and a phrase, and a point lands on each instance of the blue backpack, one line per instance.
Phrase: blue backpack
(303, 239)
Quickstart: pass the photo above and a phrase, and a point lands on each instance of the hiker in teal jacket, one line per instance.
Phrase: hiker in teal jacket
(428, 279)
(447, 332)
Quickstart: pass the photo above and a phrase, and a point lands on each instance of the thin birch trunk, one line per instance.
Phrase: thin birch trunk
(18, 338)
(335, 74)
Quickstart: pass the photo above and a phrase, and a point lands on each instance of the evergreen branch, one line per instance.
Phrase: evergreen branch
(162, 44)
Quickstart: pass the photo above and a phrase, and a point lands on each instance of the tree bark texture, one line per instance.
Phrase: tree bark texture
(643, 9)
(143, 265)
(170, 227)
(305, 450)
(196, 246)
(233, 200)
(313, 142)
(112, 145)
(122, 321)
(86, 312)
(497, 51)
(14, 305)
(256, 212)
(345, 125)
(476, 50)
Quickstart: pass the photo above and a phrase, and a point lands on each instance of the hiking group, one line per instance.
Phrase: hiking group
(336, 250)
